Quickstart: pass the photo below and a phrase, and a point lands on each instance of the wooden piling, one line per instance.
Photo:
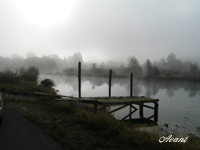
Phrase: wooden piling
(110, 78)
(141, 111)
(79, 79)
(131, 85)
(156, 112)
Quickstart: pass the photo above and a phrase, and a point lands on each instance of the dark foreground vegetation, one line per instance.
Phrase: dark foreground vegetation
(77, 128)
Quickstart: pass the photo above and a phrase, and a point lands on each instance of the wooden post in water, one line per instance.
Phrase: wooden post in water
(131, 85)
(156, 112)
(110, 78)
(79, 79)
(131, 94)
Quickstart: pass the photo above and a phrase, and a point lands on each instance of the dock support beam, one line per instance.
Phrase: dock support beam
(156, 112)
(141, 111)
(110, 78)
(79, 79)
(130, 110)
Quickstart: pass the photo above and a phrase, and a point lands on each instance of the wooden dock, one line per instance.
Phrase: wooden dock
(122, 102)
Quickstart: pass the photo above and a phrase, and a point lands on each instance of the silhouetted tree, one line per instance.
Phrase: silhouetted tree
(47, 83)
(148, 68)
(194, 69)
(8, 77)
(94, 67)
(156, 71)
(29, 75)
(174, 64)
(134, 66)
(73, 60)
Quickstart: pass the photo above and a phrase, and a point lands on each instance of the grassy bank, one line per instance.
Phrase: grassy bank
(76, 128)
(25, 88)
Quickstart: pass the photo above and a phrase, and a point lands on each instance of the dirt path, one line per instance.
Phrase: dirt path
(17, 133)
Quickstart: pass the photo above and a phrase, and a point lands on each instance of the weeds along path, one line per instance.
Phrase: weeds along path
(18, 97)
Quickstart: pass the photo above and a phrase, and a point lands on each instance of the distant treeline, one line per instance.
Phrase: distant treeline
(166, 68)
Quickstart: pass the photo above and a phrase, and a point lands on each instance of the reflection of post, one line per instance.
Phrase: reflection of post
(141, 111)
(79, 79)
(156, 112)
(131, 84)
(110, 78)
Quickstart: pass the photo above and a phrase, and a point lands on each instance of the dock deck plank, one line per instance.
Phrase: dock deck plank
(114, 100)
(128, 100)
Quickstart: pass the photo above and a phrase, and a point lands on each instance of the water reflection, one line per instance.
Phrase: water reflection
(148, 89)
(135, 113)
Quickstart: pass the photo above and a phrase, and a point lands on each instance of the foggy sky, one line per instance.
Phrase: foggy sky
(105, 30)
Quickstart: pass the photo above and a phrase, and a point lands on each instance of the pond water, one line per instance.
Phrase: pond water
(179, 102)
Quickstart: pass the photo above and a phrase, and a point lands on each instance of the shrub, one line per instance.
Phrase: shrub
(47, 83)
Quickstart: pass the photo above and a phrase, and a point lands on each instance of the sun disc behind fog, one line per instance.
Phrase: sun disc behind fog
(45, 12)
